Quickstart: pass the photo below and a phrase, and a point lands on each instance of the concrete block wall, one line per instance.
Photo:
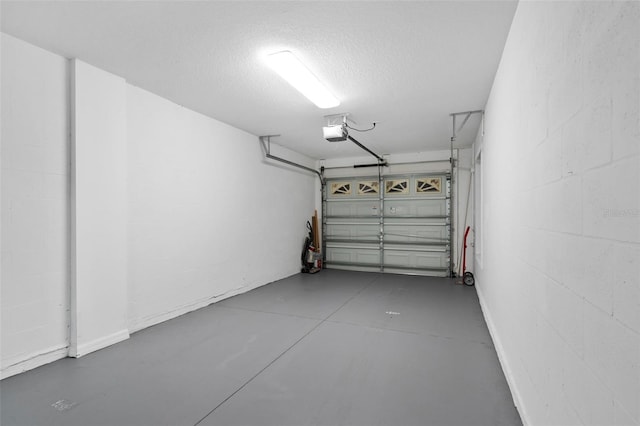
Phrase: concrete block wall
(98, 209)
(559, 271)
(35, 206)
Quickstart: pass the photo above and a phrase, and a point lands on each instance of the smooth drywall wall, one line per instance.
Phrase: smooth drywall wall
(35, 188)
(559, 271)
(208, 216)
(98, 209)
(172, 210)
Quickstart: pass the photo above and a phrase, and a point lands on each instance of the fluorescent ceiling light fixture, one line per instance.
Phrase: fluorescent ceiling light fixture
(299, 76)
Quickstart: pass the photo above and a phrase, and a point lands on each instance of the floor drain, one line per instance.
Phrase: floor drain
(63, 405)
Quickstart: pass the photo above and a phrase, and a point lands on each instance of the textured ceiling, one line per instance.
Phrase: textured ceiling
(406, 65)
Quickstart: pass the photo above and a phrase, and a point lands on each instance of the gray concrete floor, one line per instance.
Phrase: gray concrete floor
(333, 348)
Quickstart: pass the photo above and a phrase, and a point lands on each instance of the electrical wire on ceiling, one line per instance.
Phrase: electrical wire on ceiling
(361, 130)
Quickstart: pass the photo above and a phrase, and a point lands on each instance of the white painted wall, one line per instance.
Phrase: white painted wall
(35, 190)
(208, 218)
(98, 209)
(560, 160)
(185, 213)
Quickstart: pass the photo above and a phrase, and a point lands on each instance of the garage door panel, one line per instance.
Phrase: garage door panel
(359, 268)
(353, 221)
(415, 234)
(352, 208)
(415, 207)
(405, 259)
(411, 234)
(418, 271)
(354, 255)
(349, 231)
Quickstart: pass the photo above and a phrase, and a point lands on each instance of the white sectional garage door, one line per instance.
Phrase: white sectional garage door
(396, 224)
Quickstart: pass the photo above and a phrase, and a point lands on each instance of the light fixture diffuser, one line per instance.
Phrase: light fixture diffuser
(299, 76)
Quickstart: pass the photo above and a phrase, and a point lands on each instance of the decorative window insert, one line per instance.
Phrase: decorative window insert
(368, 187)
(397, 186)
(341, 188)
(428, 184)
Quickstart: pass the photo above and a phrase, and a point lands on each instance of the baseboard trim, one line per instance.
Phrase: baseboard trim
(100, 343)
(142, 323)
(497, 343)
(138, 324)
(17, 366)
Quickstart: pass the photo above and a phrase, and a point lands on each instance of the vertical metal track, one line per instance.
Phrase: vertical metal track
(323, 197)
(451, 204)
(381, 215)
(450, 207)
(454, 131)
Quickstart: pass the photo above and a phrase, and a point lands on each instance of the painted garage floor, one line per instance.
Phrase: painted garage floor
(334, 348)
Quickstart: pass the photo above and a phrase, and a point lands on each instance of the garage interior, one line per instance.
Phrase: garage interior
(158, 176)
